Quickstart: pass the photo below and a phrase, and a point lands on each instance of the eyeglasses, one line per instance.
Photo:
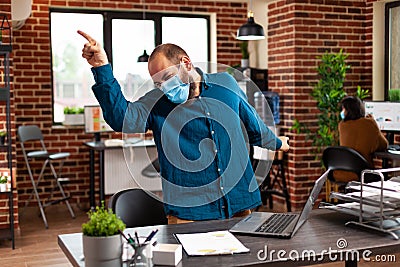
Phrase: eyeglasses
(169, 73)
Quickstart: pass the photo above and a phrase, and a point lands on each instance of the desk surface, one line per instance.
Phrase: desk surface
(99, 145)
(320, 233)
(387, 155)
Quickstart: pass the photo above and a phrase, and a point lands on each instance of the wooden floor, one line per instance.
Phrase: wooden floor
(36, 246)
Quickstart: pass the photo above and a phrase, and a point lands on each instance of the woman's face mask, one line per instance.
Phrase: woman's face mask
(342, 115)
(176, 90)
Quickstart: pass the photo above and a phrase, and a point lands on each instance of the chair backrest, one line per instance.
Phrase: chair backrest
(137, 208)
(152, 170)
(29, 133)
(345, 159)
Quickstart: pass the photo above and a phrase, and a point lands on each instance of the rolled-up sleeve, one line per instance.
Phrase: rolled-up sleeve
(259, 134)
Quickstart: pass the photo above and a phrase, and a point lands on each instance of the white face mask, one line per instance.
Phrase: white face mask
(176, 90)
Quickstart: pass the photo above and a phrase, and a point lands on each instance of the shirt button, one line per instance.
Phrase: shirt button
(219, 170)
(208, 113)
(199, 97)
(212, 132)
(216, 150)
(222, 188)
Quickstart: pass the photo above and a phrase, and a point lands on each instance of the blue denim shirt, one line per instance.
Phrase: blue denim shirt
(202, 144)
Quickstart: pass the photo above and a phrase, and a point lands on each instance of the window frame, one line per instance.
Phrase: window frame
(387, 54)
(108, 16)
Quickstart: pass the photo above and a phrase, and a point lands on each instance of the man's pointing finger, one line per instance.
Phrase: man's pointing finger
(87, 37)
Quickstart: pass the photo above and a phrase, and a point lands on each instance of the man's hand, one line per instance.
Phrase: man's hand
(285, 146)
(93, 52)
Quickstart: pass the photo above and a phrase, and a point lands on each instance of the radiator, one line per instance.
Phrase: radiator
(123, 167)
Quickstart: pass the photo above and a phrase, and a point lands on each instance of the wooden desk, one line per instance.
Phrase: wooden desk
(320, 234)
(100, 148)
(386, 156)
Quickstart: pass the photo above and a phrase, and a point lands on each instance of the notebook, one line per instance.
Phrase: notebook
(283, 225)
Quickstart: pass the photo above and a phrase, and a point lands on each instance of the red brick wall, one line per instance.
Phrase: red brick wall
(33, 78)
(298, 32)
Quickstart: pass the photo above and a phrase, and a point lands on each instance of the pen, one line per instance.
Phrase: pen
(137, 238)
(151, 235)
(123, 235)
(131, 240)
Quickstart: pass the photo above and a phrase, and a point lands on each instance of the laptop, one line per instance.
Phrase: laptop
(282, 225)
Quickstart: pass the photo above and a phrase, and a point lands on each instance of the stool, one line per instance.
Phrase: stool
(32, 133)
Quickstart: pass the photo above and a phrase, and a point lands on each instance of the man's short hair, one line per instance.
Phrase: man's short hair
(172, 52)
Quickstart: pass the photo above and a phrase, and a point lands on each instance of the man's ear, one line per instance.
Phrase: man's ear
(187, 63)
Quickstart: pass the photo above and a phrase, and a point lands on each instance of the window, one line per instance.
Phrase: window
(70, 72)
(392, 51)
(125, 36)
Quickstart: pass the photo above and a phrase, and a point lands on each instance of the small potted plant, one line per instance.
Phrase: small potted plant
(73, 116)
(102, 243)
(3, 183)
(3, 135)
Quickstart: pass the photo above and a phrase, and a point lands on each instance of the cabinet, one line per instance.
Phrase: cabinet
(7, 146)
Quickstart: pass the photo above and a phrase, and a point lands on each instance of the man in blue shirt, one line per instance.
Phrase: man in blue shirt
(202, 125)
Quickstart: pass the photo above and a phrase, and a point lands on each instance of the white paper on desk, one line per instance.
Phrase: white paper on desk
(393, 188)
(211, 243)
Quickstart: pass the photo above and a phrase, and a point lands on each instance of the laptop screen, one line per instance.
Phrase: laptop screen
(319, 183)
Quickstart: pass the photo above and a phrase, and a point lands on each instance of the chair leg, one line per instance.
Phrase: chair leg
(64, 197)
(327, 190)
(35, 192)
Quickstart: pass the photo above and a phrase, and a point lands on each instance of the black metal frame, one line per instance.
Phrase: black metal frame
(388, 6)
(5, 51)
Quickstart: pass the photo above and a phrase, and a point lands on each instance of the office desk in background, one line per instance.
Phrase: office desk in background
(386, 156)
(321, 234)
(121, 166)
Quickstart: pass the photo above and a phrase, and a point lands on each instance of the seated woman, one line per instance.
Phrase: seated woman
(359, 132)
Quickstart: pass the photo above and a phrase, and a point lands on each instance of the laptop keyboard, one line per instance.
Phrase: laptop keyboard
(277, 223)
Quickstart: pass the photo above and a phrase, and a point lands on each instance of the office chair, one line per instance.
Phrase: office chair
(152, 170)
(33, 134)
(137, 208)
(344, 159)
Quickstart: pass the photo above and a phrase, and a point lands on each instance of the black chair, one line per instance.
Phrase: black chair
(137, 208)
(152, 170)
(32, 134)
(344, 159)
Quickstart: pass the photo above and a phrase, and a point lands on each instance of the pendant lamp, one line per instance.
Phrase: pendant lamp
(144, 57)
(250, 30)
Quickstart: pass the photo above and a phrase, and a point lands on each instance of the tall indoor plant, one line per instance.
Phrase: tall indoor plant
(244, 62)
(102, 243)
(328, 93)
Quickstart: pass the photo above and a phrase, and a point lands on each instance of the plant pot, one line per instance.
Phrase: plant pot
(73, 119)
(102, 251)
(2, 140)
(3, 187)
(244, 63)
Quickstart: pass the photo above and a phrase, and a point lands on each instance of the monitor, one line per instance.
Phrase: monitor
(386, 114)
(94, 120)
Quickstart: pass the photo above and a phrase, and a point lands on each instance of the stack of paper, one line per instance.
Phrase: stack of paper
(211, 243)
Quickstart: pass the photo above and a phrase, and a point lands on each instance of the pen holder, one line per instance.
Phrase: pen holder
(142, 255)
